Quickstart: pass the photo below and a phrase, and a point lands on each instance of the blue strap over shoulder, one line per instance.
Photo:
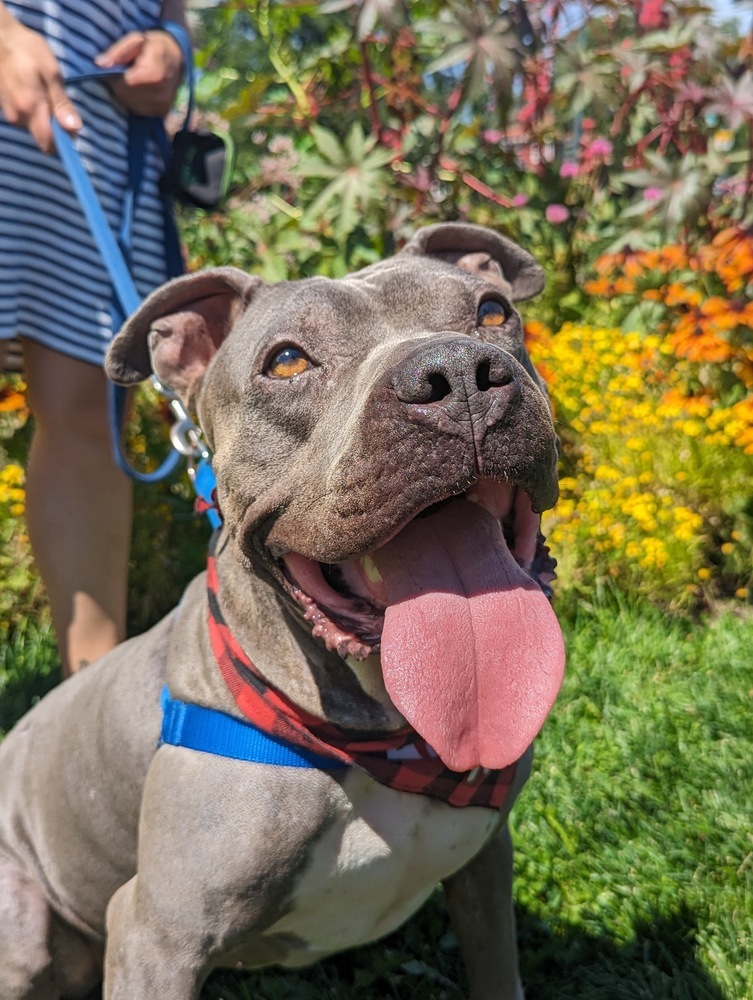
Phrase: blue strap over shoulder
(213, 732)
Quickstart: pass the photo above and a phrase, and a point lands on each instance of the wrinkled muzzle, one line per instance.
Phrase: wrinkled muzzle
(436, 554)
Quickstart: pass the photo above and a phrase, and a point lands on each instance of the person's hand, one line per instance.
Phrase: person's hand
(31, 87)
(155, 68)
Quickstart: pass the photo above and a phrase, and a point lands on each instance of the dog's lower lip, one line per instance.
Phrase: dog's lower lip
(346, 622)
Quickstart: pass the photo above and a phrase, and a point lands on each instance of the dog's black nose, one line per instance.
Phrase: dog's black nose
(455, 369)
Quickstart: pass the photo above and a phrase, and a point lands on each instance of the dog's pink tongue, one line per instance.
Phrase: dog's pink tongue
(472, 653)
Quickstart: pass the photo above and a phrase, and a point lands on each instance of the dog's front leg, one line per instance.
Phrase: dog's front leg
(146, 958)
(479, 899)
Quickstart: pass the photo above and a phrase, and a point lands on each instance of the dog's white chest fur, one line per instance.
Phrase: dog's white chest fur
(374, 868)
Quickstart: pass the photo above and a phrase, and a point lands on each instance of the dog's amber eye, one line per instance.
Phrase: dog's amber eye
(491, 313)
(288, 362)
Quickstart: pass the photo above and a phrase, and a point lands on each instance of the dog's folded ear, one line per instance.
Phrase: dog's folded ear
(481, 251)
(177, 330)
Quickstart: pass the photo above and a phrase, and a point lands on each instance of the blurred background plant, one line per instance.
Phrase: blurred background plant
(612, 139)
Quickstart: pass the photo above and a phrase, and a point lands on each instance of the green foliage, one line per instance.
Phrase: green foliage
(29, 667)
(356, 180)
(640, 874)
(358, 120)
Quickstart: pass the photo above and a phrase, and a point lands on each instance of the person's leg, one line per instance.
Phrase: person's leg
(78, 505)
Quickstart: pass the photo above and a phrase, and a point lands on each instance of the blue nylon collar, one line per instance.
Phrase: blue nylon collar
(210, 731)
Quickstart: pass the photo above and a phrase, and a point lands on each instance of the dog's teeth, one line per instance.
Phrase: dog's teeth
(369, 567)
(472, 775)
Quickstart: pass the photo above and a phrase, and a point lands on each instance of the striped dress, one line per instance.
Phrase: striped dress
(54, 287)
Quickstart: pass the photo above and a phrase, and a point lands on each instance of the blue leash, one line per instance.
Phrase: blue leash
(114, 254)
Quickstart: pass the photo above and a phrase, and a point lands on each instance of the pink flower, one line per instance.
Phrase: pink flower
(569, 168)
(519, 200)
(652, 194)
(651, 15)
(599, 147)
(556, 214)
(492, 135)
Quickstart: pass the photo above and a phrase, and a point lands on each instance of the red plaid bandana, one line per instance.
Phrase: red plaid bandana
(401, 760)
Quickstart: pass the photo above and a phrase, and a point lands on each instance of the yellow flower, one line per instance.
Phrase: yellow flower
(12, 475)
(692, 428)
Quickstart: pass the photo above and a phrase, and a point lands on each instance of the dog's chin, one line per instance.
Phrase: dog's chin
(345, 602)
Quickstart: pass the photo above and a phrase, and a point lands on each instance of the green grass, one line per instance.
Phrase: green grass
(634, 842)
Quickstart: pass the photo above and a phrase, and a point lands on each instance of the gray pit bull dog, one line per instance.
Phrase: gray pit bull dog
(383, 449)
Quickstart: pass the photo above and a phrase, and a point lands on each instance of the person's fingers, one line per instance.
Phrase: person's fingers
(62, 107)
(124, 51)
(40, 128)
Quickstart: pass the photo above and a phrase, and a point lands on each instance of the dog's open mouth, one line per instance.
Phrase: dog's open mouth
(345, 602)
(471, 651)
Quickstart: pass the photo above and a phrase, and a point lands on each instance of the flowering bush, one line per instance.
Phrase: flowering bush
(702, 303)
(657, 486)
(20, 585)
(658, 427)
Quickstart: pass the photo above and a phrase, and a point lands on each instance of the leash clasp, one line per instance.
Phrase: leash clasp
(185, 435)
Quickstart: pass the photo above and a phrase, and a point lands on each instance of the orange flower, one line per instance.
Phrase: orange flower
(726, 314)
(693, 339)
(11, 400)
(673, 258)
(651, 259)
(598, 286)
(678, 294)
(624, 286)
(629, 262)
(730, 255)
(538, 338)
(695, 406)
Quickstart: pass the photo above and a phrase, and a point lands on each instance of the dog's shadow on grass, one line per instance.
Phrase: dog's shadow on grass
(421, 962)
(660, 962)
